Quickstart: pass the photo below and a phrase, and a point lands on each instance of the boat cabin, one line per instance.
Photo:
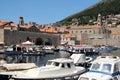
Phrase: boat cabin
(103, 68)
(60, 68)
(61, 62)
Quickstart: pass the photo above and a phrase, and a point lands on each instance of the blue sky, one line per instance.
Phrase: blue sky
(41, 11)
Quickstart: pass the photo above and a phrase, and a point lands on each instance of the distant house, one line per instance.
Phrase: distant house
(67, 39)
(8, 25)
(48, 29)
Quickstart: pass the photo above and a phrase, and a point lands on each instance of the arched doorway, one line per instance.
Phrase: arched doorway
(48, 41)
(39, 41)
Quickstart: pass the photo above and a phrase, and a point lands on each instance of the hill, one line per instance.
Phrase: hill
(104, 7)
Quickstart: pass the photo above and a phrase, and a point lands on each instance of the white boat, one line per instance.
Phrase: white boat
(56, 68)
(103, 68)
(7, 70)
(81, 59)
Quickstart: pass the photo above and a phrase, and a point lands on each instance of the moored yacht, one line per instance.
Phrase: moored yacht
(56, 68)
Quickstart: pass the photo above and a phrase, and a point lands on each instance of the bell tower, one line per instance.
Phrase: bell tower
(21, 21)
(99, 20)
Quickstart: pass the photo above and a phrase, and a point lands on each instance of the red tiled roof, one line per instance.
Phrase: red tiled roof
(5, 23)
(66, 35)
(25, 26)
(85, 27)
(48, 29)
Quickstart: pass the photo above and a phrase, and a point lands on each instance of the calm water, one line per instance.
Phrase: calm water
(42, 60)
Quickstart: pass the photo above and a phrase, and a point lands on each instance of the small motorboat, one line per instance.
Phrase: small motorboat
(103, 68)
(54, 69)
(7, 70)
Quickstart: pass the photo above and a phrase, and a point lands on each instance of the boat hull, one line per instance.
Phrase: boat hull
(58, 73)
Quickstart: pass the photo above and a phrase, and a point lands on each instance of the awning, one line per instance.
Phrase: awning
(28, 42)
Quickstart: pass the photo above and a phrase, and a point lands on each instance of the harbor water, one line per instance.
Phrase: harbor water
(42, 59)
(38, 59)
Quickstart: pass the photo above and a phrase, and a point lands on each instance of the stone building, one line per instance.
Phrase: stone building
(12, 33)
(90, 34)
(67, 39)
(4, 25)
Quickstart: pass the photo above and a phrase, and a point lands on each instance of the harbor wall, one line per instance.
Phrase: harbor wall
(16, 37)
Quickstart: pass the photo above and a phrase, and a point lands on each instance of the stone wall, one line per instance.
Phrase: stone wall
(1, 36)
(16, 37)
(112, 42)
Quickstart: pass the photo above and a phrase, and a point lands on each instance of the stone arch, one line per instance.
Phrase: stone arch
(48, 41)
(39, 41)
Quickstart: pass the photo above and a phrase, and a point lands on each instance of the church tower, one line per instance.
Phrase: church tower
(21, 21)
(99, 20)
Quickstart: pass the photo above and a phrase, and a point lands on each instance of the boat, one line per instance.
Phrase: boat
(54, 69)
(81, 60)
(7, 70)
(103, 68)
(104, 49)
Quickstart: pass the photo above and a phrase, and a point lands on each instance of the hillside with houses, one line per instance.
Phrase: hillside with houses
(101, 26)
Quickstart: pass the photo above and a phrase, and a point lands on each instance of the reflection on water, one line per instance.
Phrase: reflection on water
(42, 59)
(39, 59)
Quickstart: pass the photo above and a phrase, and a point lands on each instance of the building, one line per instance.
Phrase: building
(89, 34)
(67, 39)
(6, 25)
(12, 34)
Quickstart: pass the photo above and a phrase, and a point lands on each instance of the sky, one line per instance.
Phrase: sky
(41, 11)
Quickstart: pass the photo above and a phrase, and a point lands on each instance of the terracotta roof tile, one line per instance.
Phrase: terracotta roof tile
(86, 27)
(48, 29)
(5, 23)
(25, 26)
(66, 35)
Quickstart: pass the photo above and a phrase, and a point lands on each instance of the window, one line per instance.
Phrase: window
(116, 68)
(85, 31)
(93, 79)
(49, 63)
(68, 65)
(106, 68)
(83, 78)
(71, 31)
(56, 64)
(63, 66)
(80, 31)
(99, 31)
(95, 66)
(90, 31)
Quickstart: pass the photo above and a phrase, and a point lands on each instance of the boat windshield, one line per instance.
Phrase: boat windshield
(106, 67)
(49, 63)
(56, 64)
(95, 66)
(52, 63)
(83, 78)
